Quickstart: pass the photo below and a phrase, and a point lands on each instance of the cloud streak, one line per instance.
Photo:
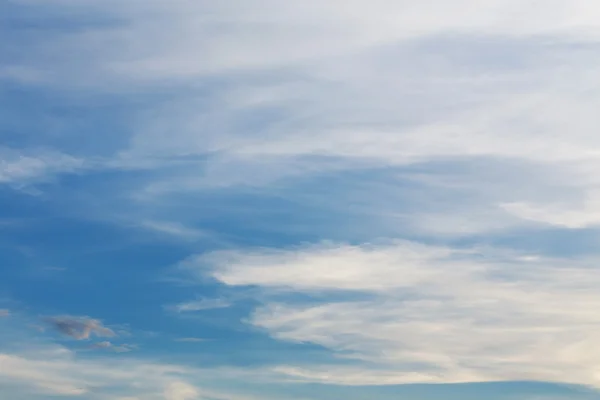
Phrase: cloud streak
(106, 345)
(17, 167)
(383, 85)
(202, 304)
(435, 314)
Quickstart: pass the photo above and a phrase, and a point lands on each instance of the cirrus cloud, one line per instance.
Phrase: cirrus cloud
(434, 314)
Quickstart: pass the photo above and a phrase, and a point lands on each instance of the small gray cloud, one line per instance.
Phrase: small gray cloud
(4, 312)
(79, 328)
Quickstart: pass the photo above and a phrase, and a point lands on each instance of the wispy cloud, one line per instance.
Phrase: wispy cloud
(4, 312)
(79, 328)
(67, 376)
(174, 229)
(360, 90)
(202, 304)
(106, 345)
(153, 52)
(20, 168)
(181, 391)
(577, 214)
(57, 371)
(435, 314)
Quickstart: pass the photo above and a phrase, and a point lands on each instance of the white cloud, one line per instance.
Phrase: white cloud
(181, 391)
(433, 314)
(575, 214)
(551, 131)
(69, 376)
(40, 374)
(202, 304)
(56, 371)
(399, 95)
(354, 376)
(174, 229)
(382, 84)
(17, 167)
(190, 38)
(51, 370)
(326, 267)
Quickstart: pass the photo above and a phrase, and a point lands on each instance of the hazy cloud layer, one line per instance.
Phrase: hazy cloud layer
(56, 371)
(64, 375)
(326, 86)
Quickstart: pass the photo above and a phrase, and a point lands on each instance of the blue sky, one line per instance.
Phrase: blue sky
(259, 199)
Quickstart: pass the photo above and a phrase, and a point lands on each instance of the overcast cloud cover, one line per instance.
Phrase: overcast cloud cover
(264, 199)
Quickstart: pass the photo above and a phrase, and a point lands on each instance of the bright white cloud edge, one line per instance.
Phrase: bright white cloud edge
(434, 314)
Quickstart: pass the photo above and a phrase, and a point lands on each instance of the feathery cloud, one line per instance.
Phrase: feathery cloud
(434, 314)
(18, 167)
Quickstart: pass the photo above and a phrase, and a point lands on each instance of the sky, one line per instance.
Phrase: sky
(313, 200)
